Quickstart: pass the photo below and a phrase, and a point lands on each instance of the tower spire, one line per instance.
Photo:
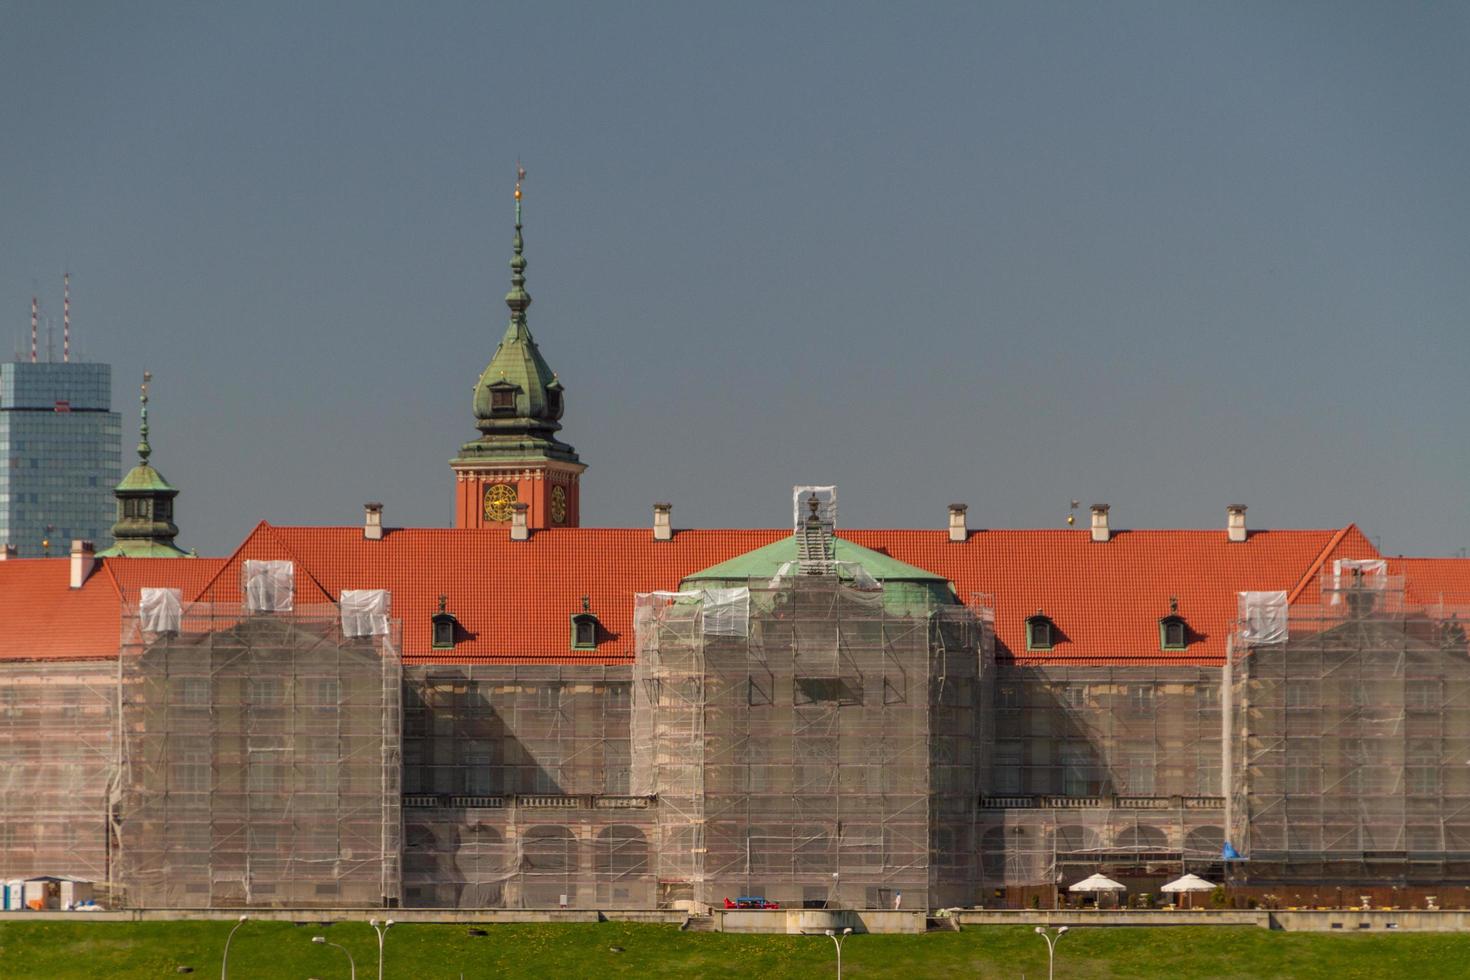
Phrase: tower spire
(144, 450)
(518, 299)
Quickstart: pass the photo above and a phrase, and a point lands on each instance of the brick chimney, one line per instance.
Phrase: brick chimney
(1100, 530)
(372, 522)
(83, 559)
(518, 529)
(663, 530)
(958, 530)
(1235, 522)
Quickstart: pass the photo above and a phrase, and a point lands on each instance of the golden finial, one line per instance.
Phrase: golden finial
(520, 176)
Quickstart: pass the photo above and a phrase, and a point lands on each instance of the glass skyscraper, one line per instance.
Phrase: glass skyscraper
(59, 455)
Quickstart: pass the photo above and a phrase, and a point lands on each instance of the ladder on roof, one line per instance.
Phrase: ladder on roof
(815, 549)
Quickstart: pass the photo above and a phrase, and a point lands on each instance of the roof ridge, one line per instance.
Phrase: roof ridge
(1316, 566)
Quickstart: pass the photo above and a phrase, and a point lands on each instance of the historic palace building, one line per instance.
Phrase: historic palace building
(662, 716)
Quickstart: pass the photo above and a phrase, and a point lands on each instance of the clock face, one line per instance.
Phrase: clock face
(499, 498)
(558, 505)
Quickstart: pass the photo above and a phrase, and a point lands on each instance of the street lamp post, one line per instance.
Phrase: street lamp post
(1051, 949)
(837, 941)
(351, 964)
(382, 931)
(224, 963)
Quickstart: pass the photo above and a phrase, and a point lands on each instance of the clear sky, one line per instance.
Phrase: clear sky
(1168, 255)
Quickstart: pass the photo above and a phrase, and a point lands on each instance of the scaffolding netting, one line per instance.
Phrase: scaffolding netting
(258, 759)
(827, 757)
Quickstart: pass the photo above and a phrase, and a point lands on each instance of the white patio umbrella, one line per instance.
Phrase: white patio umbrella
(1098, 883)
(1189, 883)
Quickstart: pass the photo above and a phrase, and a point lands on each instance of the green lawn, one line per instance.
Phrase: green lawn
(421, 952)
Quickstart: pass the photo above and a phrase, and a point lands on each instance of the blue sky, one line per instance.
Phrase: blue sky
(1167, 255)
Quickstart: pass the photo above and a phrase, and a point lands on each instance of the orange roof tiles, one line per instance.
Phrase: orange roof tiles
(514, 599)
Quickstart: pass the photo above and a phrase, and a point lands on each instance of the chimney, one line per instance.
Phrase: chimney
(7, 551)
(372, 522)
(83, 558)
(1235, 522)
(662, 529)
(518, 529)
(957, 529)
(1100, 530)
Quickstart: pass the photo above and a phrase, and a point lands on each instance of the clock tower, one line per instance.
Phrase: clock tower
(518, 407)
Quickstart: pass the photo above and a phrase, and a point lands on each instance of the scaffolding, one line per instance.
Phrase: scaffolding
(822, 749)
(516, 789)
(1349, 739)
(1113, 769)
(258, 760)
(57, 729)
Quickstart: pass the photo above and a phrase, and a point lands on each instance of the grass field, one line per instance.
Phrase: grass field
(428, 952)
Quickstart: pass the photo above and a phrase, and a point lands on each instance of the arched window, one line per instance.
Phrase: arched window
(621, 850)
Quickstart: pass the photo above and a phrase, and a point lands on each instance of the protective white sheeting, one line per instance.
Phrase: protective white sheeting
(270, 586)
(1098, 883)
(727, 612)
(1189, 883)
(853, 572)
(801, 509)
(1373, 575)
(160, 610)
(364, 612)
(1262, 617)
(723, 612)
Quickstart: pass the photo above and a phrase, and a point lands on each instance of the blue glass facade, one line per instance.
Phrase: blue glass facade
(59, 455)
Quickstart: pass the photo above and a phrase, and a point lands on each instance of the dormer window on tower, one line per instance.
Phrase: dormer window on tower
(1040, 632)
(554, 403)
(585, 627)
(445, 627)
(503, 397)
(1173, 630)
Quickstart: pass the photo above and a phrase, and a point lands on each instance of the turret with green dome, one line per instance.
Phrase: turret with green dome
(518, 400)
(145, 503)
(517, 462)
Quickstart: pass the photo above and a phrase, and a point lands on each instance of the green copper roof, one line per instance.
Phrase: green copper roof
(518, 401)
(765, 562)
(145, 504)
(145, 478)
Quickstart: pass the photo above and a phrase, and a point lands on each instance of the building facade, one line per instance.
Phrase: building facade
(59, 455)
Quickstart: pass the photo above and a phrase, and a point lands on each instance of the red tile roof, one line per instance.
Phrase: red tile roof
(514, 599)
(43, 618)
(1106, 598)
(1429, 581)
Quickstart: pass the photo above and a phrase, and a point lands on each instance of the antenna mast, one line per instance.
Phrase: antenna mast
(35, 314)
(65, 316)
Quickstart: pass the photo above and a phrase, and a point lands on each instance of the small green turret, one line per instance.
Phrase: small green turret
(145, 503)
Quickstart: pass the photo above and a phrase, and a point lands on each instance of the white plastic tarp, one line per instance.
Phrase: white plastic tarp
(850, 571)
(801, 507)
(1372, 573)
(270, 586)
(364, 612)
(723, 612)
(1262, 617)
(160, 610)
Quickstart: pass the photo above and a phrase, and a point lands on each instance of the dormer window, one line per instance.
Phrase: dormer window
(584, 632)
(445, 626)
(1040, 632)
(1173, 630)
(503, 398)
